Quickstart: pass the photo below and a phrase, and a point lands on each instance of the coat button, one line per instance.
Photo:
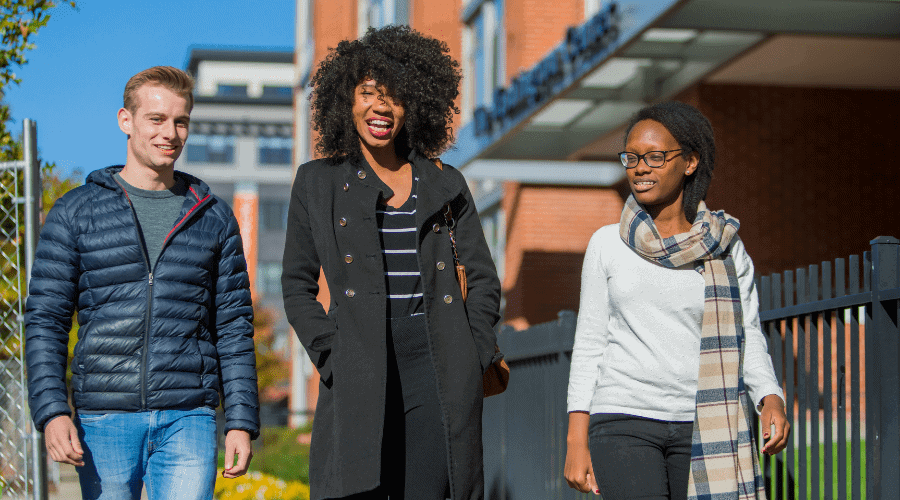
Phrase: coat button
(346, 186)
(348, 258)
(448, 299)
(350, 293)
(440, 265)
(342, 221)
(361, 174)
(436, 228)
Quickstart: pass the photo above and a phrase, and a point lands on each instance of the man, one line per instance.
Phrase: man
(153, 264)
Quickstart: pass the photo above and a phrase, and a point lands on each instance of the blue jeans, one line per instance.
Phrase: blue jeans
(172, 451)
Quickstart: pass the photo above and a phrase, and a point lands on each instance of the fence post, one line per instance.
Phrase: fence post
(32, 197)
(884, 408)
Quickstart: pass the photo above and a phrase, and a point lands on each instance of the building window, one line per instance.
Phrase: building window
(268, 279)
(493, 222)
(273, 215)
(272, 91)
(210, 149)
(275, 150)
(376, 15)
(592, 7)
(231, 90)
(483, 56)
(379, 13)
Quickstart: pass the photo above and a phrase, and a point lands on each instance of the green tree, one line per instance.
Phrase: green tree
(272, 366)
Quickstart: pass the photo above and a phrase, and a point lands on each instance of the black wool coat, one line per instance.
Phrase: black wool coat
(332, 224)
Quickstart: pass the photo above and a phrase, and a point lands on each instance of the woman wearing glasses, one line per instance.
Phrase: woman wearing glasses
(668, 343)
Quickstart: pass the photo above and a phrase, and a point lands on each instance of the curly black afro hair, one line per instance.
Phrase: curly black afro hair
(415, 70)
(694, 133)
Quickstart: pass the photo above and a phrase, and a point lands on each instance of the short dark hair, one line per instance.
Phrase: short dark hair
(694, 133)
(416, 70)
(171, 78)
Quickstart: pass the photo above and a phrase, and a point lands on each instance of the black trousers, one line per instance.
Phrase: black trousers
(414, 449)
(635, 457)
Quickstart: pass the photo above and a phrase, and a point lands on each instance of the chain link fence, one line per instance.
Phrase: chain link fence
(22, 471)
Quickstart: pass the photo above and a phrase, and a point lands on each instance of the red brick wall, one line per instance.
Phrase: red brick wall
(533, 27)
(810, 172)
(440, 20)
(333, 21)
(548, 229)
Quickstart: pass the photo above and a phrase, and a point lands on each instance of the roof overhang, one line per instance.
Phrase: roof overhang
(237, 54)
(642, 51)
(574, 173)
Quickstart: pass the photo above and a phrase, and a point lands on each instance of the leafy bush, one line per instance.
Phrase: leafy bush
(279, 453)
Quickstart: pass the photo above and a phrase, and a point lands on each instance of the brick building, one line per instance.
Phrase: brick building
(801, 95)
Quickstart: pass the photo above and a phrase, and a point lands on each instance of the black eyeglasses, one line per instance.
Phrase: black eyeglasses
(653, 159)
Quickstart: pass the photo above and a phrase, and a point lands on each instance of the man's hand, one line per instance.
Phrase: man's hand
(61, 438)
(772, 414)
(237, 442)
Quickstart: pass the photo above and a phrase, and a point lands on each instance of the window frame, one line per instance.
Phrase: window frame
(202, 140)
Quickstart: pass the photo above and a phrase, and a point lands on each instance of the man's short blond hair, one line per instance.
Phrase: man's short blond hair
(174, 79)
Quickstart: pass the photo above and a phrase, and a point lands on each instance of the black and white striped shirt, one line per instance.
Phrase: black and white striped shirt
(397, 229)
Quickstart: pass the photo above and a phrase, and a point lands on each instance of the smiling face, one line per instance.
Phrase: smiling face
(157, 129)
(658, 188)
(378, 117)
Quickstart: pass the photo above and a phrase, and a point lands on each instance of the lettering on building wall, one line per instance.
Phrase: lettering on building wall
(536, 85)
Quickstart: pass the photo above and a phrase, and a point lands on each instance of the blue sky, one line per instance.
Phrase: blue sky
(73, 82)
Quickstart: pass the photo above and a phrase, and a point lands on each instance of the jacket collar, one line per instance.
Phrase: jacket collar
(436, 187)
(104, 178)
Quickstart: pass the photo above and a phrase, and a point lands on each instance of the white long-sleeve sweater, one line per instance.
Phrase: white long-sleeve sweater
(637, 340)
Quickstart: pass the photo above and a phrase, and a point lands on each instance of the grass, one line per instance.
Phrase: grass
(832, 484)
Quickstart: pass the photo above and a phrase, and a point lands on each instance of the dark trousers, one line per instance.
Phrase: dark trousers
(635, 457)
(414, 448)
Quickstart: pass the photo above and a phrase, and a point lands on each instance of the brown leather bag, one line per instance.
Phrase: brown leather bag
(496, 378)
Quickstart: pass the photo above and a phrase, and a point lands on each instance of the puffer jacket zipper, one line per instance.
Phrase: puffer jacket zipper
(143, 244)
(146, 340)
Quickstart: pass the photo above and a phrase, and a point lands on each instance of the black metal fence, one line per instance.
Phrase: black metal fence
(834, 339)
(525, 427)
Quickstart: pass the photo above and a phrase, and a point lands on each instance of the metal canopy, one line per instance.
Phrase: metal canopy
(673, 46)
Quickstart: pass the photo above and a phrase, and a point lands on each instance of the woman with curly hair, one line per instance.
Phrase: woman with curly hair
(668, 344)
(400, 351)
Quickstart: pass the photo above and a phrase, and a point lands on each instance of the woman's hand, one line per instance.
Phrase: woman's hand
(579, 471)
(773, 415)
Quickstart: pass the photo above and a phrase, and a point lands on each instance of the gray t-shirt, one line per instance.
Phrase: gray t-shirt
(157, 212)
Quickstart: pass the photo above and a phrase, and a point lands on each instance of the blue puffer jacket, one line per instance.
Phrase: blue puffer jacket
(173, 337)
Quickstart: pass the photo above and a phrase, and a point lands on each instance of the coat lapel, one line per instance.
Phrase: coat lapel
(436, 188)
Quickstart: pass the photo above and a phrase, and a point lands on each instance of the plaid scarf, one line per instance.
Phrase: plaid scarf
(724, 464)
